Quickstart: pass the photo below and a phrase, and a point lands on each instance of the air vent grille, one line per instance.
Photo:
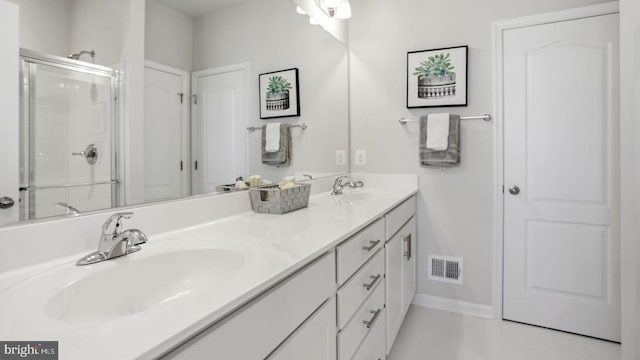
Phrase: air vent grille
(445, 268)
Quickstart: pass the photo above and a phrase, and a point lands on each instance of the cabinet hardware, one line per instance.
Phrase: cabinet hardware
(373, 281)
(372, 321)
(408, 252)
(372, 245)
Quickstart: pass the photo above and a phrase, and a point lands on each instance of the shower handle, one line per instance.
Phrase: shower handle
(90, 153)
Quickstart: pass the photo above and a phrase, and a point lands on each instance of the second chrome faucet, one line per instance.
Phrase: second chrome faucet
(339, 185)
(115, 242)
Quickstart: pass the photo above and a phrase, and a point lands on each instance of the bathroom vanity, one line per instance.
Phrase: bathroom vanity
(332, 281)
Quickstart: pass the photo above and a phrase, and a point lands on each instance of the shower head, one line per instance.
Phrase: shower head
(77, 55)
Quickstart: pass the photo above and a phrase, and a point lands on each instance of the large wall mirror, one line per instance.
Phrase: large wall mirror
(125, 102)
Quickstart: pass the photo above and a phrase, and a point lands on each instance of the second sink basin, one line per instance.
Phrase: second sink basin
(143, 284)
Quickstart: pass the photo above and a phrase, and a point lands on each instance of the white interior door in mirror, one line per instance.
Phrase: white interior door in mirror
(219, 131)
(561, 229)
(9, 123)
(164, 164)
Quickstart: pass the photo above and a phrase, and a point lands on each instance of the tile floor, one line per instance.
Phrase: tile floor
(428, 334)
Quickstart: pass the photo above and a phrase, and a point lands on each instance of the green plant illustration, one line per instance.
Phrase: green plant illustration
(278, 84)
(436, 66)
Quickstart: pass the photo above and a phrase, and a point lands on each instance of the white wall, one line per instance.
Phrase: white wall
(45, 25)
(455, 206)
(169, 36)
(271, 36)
(630, 155)
(101, 26)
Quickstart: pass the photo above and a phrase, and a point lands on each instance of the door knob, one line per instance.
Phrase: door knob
(514, 190)
(6, 202)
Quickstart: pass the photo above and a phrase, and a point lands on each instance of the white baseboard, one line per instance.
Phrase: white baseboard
(457, 306)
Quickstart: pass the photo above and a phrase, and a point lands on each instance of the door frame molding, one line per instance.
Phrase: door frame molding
(498, 29)
(244, 66)
(185, 120)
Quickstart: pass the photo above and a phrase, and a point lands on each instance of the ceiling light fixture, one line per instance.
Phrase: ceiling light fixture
(300, 11)
(340, 9)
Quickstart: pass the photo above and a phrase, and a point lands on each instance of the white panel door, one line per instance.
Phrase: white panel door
(163, 162)
(561, 230)
(9, 120)
(219, 129)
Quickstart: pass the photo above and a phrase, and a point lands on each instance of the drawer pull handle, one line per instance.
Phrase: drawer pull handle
(373, 282)
(408, 252)
(370, 323)
(372, 245)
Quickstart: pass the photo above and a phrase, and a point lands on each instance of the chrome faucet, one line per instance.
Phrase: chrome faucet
(115, 242)
(338, 185)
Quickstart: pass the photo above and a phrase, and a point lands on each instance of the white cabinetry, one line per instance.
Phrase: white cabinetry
(361, 293)
(345, 305)
(257, 329)
(400, 266)
(314, 340)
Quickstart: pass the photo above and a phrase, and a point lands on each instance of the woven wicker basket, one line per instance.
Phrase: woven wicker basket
(271, 200)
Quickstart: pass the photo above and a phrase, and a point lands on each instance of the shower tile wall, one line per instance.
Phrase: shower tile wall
(72, 110)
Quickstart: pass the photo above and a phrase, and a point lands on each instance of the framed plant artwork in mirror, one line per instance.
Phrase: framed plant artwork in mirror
(437, 77)
(279, 94)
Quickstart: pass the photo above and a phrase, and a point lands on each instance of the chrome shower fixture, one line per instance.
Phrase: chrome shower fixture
(77, 55)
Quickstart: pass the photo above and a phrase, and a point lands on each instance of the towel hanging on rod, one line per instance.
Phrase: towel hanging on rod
(303, 126)
(485, 117)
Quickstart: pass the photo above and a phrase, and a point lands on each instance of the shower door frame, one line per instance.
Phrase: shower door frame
(28, 59)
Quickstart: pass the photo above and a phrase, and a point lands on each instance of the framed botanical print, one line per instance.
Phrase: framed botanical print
(437, 77)
(279, 94)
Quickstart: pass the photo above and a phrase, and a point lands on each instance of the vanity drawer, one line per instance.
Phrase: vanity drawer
(267, 321)
(351, 336)
(355, 291)
(399, 215)
(373, 347)
(358, 249)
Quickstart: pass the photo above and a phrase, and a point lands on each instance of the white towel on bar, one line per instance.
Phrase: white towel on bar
(273, 137)
(438, 131)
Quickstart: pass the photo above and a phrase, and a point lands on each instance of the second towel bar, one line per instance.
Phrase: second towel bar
(303, 126)
(485, 117)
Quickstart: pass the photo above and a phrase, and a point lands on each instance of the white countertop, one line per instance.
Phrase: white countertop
(272, 247)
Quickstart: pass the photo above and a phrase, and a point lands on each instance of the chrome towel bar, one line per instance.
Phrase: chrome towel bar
(303, 126)
(485, 117)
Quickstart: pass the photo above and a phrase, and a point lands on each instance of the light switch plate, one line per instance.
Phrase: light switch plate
(341, 157)
(361, 157)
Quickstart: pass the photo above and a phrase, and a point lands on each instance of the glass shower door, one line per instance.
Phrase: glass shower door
(70, 157)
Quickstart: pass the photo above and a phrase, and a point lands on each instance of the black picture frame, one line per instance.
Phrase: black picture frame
(274, 102)
(439, 85)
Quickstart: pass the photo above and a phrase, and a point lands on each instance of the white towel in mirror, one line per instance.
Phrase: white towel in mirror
(438, 131)
(273, 137)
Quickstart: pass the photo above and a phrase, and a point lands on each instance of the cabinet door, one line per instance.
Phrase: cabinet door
(314, 340)
(401, 277)
(408, 263)
(394, 282)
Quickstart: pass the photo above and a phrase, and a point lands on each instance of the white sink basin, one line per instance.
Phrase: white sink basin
(143, 284)
(359, 196)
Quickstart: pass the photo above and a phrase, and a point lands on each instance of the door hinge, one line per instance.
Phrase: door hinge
(503, 189)
(195, 99)
(196, 164)
(181, 97)
(181, 163)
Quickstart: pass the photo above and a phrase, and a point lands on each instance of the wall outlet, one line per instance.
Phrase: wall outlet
(341, 157)
(361, 157)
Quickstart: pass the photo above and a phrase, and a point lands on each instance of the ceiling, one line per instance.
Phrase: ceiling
(197, 8)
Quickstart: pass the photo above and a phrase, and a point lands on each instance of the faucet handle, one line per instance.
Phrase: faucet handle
(116, 217)
(339, 179)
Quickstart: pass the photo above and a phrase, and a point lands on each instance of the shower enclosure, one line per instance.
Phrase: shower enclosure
(68, 138)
